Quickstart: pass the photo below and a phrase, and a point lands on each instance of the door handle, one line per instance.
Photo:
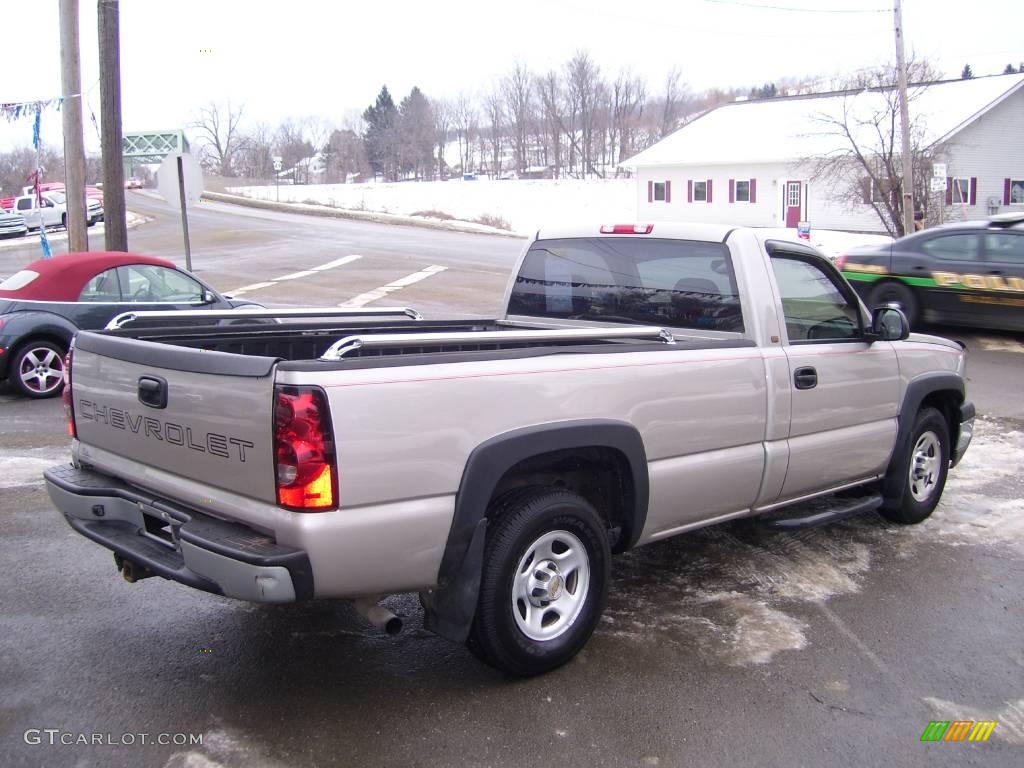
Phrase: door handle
(805, 378)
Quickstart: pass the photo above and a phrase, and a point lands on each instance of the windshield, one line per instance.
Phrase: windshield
(679, 283)
(57, 197)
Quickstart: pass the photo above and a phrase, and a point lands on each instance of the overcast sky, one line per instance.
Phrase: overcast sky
(329, 58)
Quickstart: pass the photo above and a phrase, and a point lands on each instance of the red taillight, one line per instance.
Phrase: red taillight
(65, 395)
(627, 229)
(841, 261)
(304, 449)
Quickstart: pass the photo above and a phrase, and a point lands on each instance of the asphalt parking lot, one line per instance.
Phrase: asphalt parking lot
(832, 647)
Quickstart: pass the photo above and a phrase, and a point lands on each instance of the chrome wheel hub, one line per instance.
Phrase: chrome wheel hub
(924, 466)
(41, 370)
(550, 585)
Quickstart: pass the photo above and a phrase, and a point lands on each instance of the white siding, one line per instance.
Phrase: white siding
(990, 150)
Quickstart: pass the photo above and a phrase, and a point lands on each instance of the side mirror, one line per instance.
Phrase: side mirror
(889, 324)
(208, 297)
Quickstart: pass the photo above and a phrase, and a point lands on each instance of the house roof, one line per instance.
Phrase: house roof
(786, 129)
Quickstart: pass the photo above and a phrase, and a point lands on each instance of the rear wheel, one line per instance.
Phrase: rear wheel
(924, 473)
(64, 220)
(38, 369)
(545, 579)
(897, 294)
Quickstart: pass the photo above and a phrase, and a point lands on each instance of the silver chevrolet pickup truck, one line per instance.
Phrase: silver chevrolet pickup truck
(644, 381)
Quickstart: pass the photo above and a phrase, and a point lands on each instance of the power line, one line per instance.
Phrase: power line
(759, 6)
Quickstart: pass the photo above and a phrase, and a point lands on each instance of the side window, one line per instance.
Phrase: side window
(953, 247)
(146, 283)
(1006, 247)
(814, 306)
(25, 204)
(102, 288)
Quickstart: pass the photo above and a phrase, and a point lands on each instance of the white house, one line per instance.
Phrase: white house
(750, 162)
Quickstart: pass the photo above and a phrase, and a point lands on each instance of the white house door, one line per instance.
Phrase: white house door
(793, 207)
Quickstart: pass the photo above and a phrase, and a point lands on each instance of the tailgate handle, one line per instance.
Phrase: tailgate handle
(153, 391)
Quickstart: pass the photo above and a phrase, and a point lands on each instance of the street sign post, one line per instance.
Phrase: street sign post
(180, 178)
(278, 163)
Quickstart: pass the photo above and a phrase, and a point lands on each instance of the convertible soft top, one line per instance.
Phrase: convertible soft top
(62, 277)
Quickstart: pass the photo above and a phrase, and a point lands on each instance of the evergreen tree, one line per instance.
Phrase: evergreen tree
(1009, 70)
(381, 135)
(967, 74)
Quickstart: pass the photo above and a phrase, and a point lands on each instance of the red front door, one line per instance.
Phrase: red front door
(793, 203)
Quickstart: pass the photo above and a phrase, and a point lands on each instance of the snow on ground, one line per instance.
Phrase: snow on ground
(525, 205)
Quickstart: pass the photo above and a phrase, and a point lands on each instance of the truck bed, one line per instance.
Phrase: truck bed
(304, 343)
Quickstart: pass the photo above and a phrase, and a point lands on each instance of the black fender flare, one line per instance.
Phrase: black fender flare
(21, 325)
(893, 486)
(450, 606)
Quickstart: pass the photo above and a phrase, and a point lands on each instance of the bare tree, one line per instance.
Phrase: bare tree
(518, 91)
(495, 114)
(551, 98)
(219, 135)
(629, 97)
(442, 132)
(583, 84)
(672, 105)
(866, 165)
(465, 122)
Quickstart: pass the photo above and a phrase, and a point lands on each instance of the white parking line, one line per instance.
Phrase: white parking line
(396, 285)
(297, 275)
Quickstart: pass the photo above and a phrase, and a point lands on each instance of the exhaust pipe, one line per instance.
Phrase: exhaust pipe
(378, 615)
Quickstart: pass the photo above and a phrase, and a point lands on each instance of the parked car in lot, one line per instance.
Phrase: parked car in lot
(967, 273)
(12, 224)
(49, 209)
(45, 304)
(643, 382)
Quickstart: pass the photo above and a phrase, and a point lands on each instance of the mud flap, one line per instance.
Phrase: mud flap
(450, 607)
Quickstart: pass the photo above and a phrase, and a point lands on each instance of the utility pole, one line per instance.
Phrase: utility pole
(908, 160)
(115, 225)
(74, 145)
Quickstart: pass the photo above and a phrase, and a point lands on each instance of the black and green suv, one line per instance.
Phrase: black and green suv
(968, 273)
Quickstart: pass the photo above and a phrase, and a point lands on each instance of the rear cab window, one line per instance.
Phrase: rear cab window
(676, 283)
(18, 280)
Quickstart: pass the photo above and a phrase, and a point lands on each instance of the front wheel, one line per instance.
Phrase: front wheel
(544, 583)
(925, 470)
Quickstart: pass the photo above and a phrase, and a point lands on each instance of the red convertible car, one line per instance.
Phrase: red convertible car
(46, 303)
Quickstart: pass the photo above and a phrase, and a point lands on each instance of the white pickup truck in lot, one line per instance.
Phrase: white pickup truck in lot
(645, 381)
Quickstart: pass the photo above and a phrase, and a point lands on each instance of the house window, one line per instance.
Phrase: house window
(700, 191)
(961, 191)
(659, 191)
(1016, 196)
(793, 195)
(742, 190)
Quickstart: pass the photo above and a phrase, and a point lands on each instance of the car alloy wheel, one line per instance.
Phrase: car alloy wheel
(40, 368)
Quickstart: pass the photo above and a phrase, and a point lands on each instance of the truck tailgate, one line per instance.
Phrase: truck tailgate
(203, 415)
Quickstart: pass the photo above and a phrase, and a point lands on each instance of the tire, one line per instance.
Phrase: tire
(64, 220)
(535, 532)
(892, 292)
(924, 467)
(37, 369)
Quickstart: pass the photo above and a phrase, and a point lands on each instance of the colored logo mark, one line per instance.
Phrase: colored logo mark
(958, 730)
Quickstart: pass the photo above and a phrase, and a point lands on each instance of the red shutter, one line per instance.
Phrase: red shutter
(732, 190)
(949, 190)
(709, 190)
(974, 190)
(650, 191)
(753, 190)
(689, 191)
(1006, 191)
(668, 191)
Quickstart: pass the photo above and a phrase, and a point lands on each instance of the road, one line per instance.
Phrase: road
(726, 647)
